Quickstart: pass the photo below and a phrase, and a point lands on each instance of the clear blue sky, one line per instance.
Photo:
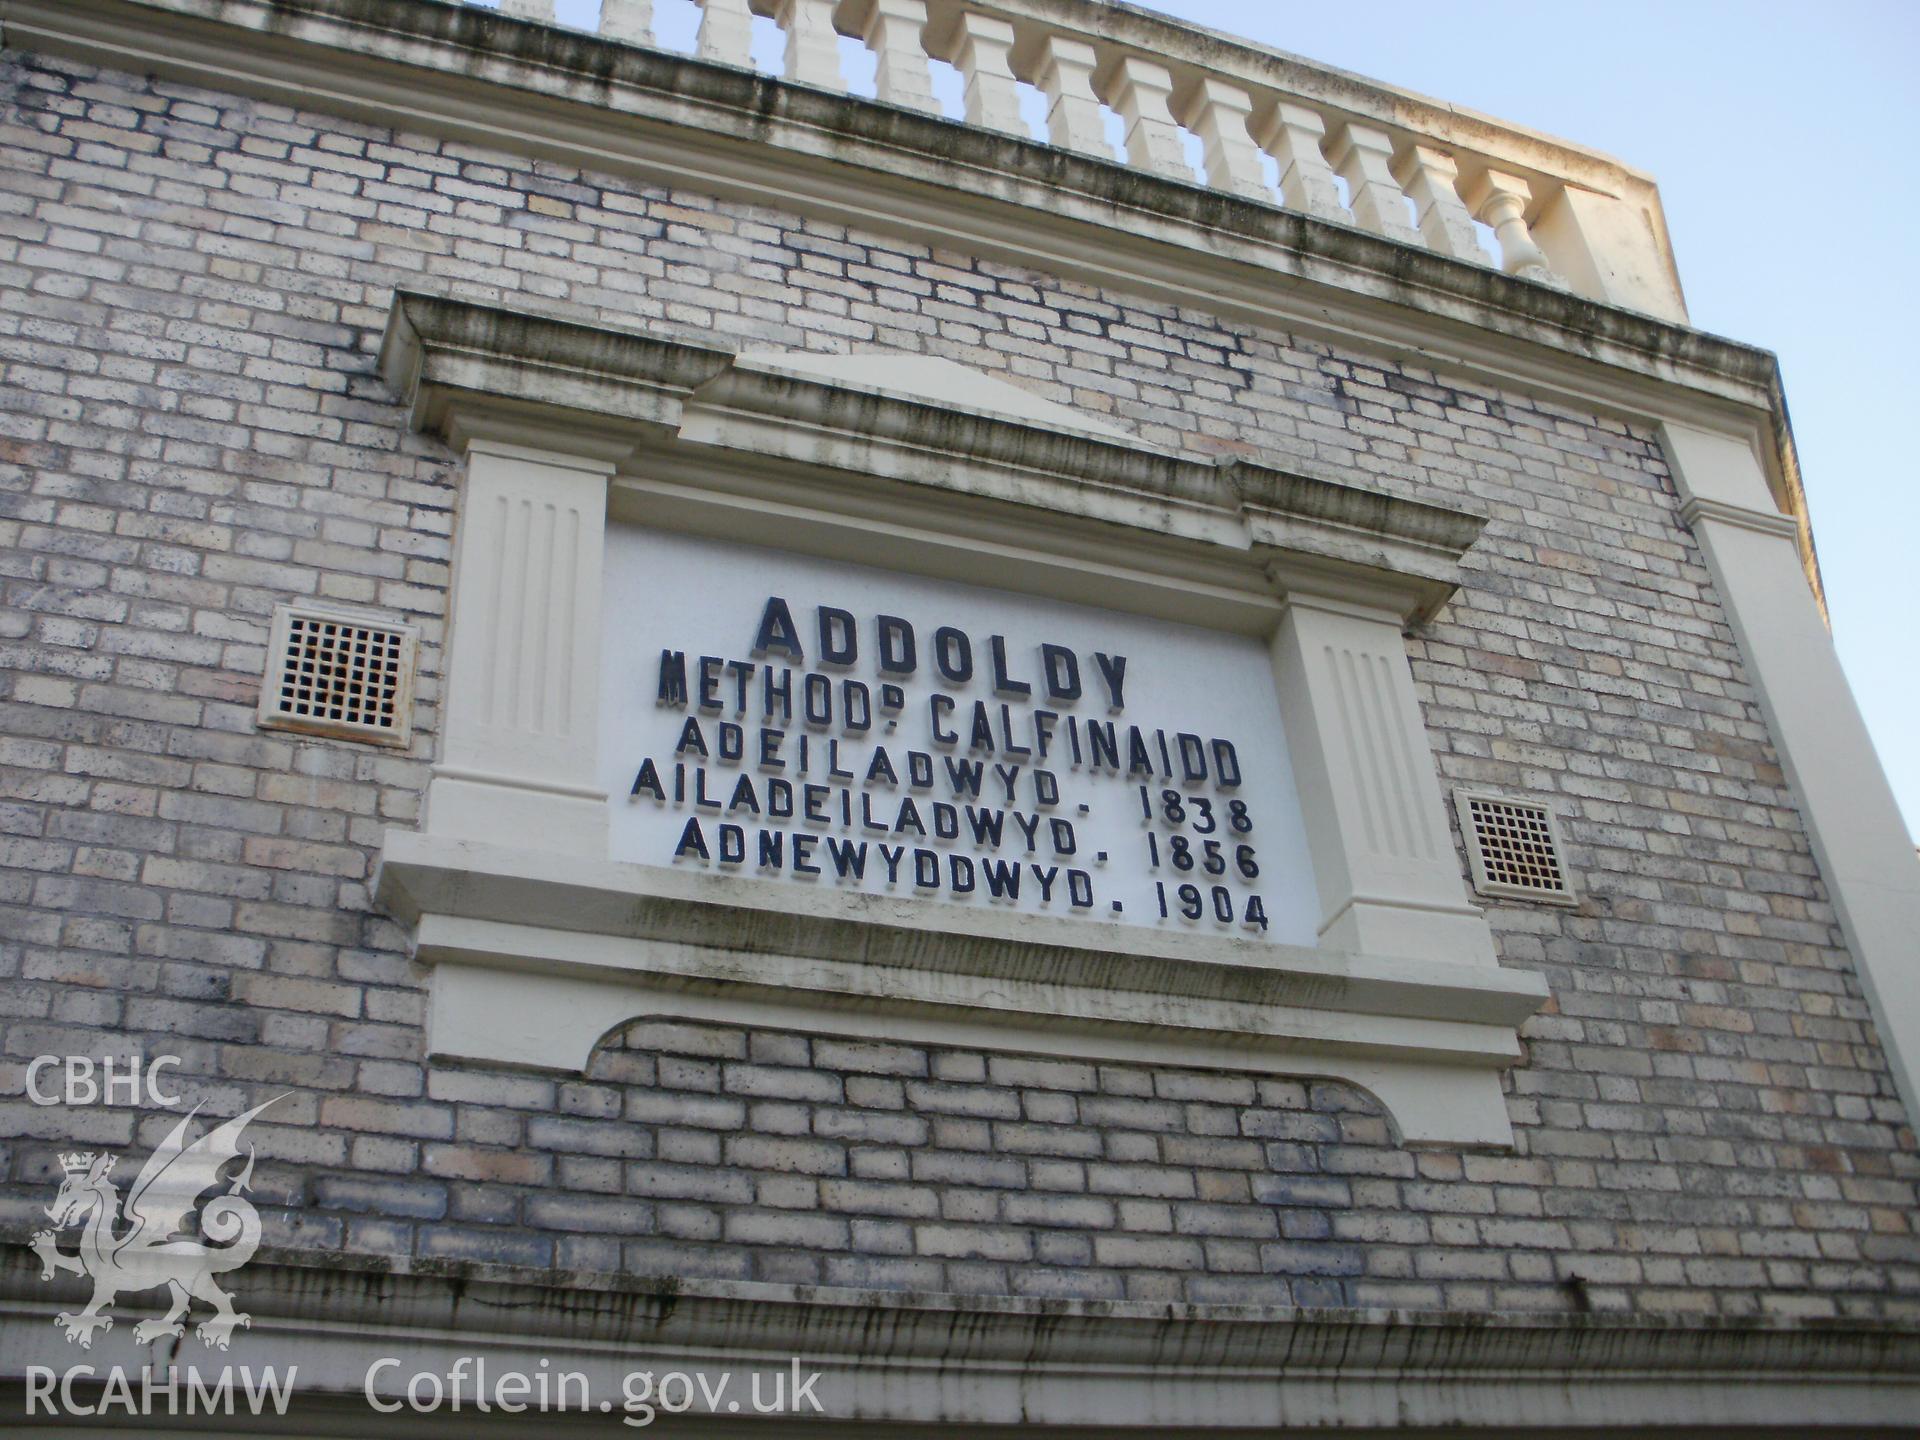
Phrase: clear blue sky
(1782, 135)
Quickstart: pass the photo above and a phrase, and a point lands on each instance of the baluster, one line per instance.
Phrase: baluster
(540, 10)
(977, 45)
(1500, 200)
(1432, 178)
(892, 30)
(1292, 135)
(628, 20)
(726, 32)
(1140, 90)
(1360, 154)
(813, 49)
(1218, 113)
(1065, 75)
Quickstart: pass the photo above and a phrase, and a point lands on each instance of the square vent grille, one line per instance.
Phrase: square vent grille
(338, 673)
(1514, 848)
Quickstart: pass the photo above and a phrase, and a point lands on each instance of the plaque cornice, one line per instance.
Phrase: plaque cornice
(573, 948)
(467, 369)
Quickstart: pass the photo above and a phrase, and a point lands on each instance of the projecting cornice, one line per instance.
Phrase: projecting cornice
(1010, 1364)
(585, 100)
(467, 369)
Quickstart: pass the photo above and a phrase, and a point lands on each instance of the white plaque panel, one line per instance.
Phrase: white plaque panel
(776, 715)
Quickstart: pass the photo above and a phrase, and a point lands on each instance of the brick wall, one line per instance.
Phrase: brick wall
(192, 287)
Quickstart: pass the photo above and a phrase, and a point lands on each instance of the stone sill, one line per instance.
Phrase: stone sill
(559, 937)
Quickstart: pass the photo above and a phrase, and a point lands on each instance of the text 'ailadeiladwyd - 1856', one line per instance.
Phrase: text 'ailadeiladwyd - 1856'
(962, 767)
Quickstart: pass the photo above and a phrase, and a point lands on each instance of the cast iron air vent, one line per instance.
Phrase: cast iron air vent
(339, 673)
(1514, 848)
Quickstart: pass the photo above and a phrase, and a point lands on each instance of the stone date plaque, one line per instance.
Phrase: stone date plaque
(778, 716)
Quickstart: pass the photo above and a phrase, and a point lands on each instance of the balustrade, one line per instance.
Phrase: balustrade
(1432, 181)
(978, 46)
(630, 21)
(893, 29)
(1361, 156)
(813, 48)
(726, 32)
(1219, 114)
(1064, 72)
(1412, 171)
(1292, 134)
(1139, 90)
(1500, 200)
